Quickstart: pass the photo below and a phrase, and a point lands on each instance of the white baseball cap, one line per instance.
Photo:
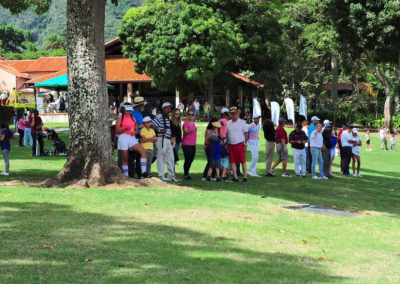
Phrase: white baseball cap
(166, 104)
(147, 119)
(224, 110)
(315, 118)
(355, 130)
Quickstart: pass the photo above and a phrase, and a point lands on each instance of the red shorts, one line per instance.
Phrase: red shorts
(237, 153)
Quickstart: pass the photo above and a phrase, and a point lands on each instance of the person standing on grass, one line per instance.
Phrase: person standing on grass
(253, 132)
(316, 144)
(215, 161)
(314, 121)
(393, 143)
(340, 146)
(134, 157)
(36, 127)
(21, 129)
(225, 117)
(165, 154)
(246, 106)
(347, 149)
(298, 139)
(207, 111)
(356, 152)
(27, 132)
(327, 149)
(208, 146)
(189, 143)
(333, 150)
(224, 160)
(368, 141)
(269, 135)
(148, 137)
(305, 126)
(382, 133)
(237, 137)
(196, 105)
(281, 147)
(5, 146)
(176, 130)
(126, 128)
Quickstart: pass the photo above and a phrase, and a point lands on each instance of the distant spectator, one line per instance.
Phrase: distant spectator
(21, 129)
(196, 105)
(148, 137)
(5, 147)
(281, 147)
(305, 126)
(356, 152)
(368, 141)
(393, 143)
(207, 111)
(298, 139)
(225, 117)
(36, 127)
(215, 161)
(253, 132)
(382, 133)
(316, 144)
(269, 135)
(326, 150)
(189, 143)
(347, 149)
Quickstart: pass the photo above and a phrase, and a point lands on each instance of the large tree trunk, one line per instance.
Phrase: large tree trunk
(210, 93)
(335, 80)
(91, 159)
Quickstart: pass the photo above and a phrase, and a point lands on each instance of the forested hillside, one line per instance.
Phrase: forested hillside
(54, 21)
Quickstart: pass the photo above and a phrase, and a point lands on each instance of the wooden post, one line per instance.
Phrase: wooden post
(130, 93)
(240, 92)
(176, 97)
(227, 97)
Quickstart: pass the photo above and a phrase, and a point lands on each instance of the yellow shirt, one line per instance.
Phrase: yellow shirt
(147, 133)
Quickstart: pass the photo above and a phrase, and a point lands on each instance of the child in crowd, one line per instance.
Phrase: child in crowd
(368, 141)
(224, 160)
(5, 147)
(148, 137)
(393, 143)
(215, 161)
(356, 152)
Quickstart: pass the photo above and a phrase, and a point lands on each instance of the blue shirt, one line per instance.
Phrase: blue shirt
(216, 153)
(311, 129)
(5, 144)
(139, 118)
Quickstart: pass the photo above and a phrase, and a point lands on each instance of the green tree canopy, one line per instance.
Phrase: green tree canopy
(12, 40)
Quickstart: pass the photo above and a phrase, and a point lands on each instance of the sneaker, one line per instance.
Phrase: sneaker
(4, 174)
(358, 175)
(204, 179)
(208, 179)
(270, 174)
(175, 179)
(348, 175)
(355, 175)
(315, 177)
(218, 179)
(244, 180)
(147, 175)
(213, 179)
(324, 177)
(253, 174)
(303, 176)
(285, 175)
(187, 178)
(165, 179)
(235, 180)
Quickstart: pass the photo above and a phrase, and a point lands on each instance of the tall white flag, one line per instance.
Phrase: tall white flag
(275, 112)
(303, 106)
(256, 108)
(290, 109)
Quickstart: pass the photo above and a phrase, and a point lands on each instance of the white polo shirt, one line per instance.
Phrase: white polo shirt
(235, 131)
(346, 136)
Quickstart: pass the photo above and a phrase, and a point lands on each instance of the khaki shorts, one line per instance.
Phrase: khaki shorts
(282, 155)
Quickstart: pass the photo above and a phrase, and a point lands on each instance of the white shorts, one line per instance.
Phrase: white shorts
(333, 152)
(125, 142)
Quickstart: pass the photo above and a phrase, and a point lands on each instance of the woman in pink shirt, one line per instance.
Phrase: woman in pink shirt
(21, 129)
(189, 143)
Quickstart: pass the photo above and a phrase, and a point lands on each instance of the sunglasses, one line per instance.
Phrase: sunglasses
(190, 114)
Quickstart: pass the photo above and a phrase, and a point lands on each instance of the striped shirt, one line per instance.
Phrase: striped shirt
(158, 122)
(254, 130)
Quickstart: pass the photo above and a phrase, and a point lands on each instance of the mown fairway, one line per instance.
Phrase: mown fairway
(214, 233)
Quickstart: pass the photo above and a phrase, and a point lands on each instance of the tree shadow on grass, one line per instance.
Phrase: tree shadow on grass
(375, 193)
(121, 250)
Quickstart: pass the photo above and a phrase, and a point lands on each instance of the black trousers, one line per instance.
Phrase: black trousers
(134, 164)
(208, 151)
(347, 153)
(189, 152)
(37, 137)
(21, 136)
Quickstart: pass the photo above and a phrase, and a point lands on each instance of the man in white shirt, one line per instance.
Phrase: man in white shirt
(316, 144)
(237, 137)
(196, 110)
(347, 150)
(382, 133)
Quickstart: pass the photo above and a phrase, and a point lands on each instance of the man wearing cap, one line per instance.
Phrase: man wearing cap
(347, 150)
(253, 132)
(326, 150)
(134, 157)
(237, 136)
(281, 147)
(314, 121)
(165, 154)
(316, 144)
(298, 138)
(269, 135)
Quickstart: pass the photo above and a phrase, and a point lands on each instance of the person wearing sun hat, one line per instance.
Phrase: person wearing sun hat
(237, 137)
(215, 156)
(253, 132)
(165, 154)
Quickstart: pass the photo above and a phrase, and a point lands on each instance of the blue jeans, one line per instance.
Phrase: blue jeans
(316, 157)
(27, 133)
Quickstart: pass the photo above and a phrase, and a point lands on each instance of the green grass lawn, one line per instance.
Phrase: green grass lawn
(215, 233)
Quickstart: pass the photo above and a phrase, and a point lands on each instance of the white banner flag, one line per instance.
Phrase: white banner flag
(256, 108)
(290, 109)
(303, 106)
(275, 112)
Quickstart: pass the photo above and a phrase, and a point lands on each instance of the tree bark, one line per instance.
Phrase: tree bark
(91, 159)
(210, 93)
(335, 80)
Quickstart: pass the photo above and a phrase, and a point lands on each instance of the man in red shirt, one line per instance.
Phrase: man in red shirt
(281, 147)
